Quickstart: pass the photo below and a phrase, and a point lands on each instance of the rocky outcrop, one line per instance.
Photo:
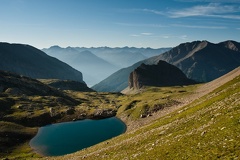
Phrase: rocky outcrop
(162, 74)
(104, 113)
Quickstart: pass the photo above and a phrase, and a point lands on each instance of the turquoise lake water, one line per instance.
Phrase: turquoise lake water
(68, 137)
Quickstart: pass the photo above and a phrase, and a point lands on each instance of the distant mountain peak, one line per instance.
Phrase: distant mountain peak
(55, 47)
(233, 45)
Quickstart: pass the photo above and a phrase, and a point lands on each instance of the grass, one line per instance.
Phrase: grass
(207, 128)
(12, 134)
(151, 100)
(22, 114)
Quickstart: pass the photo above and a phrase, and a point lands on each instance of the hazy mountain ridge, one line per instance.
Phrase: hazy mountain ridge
(126, 56)
(199, 60)
(29, 61)
(98, 63)
(94, 69)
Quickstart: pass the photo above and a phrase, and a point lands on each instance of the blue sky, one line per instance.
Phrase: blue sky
(118, 23)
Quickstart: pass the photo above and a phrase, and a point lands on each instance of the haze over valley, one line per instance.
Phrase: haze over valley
(97, 64)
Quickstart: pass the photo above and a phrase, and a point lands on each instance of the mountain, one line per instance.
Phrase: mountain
(93, 68)
(160, 75)
(29, 61)
(125, 56)
(199, 60)
(203, 61)
(98, 63)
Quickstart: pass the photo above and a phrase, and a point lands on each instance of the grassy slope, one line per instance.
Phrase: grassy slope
(14, 137)
(207, 128)
(12, 134)
(152, 99)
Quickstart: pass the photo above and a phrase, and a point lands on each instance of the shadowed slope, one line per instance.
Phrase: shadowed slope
(29, 61)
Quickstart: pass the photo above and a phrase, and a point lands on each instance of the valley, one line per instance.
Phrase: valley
(153, 115)
(160, 105)
(205, 125)
(97, 63)
(119, 80)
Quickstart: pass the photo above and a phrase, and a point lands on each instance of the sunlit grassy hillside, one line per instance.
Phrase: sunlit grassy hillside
(207, 128)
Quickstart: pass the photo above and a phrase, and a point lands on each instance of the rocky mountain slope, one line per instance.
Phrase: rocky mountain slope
(29, 61)
(161, 74)
(205, 126)
(202, 60)
(199, 60)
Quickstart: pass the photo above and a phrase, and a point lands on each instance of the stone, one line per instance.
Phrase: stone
(162, 74)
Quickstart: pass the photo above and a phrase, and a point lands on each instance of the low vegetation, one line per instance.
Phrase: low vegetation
(21, 115)
(163, 122)
(151, 100)
(207, 128)
(13, 140)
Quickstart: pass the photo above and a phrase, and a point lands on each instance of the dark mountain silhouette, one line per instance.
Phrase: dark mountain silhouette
(93, 68)
(162, 74)
(29, 61)
(199, 60)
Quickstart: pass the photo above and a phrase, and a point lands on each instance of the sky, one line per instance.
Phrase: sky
(118, 23)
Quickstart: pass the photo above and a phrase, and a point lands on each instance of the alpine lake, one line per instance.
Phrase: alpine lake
(68, 137)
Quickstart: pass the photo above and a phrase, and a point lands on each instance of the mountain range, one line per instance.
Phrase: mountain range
(94, 69)
(32, 62)
(201, 61)
(160, 120)
(125, 56)
(98, 63)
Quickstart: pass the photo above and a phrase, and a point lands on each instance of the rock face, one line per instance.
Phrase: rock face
(162, 74)
(106, 113)
(32, 62)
